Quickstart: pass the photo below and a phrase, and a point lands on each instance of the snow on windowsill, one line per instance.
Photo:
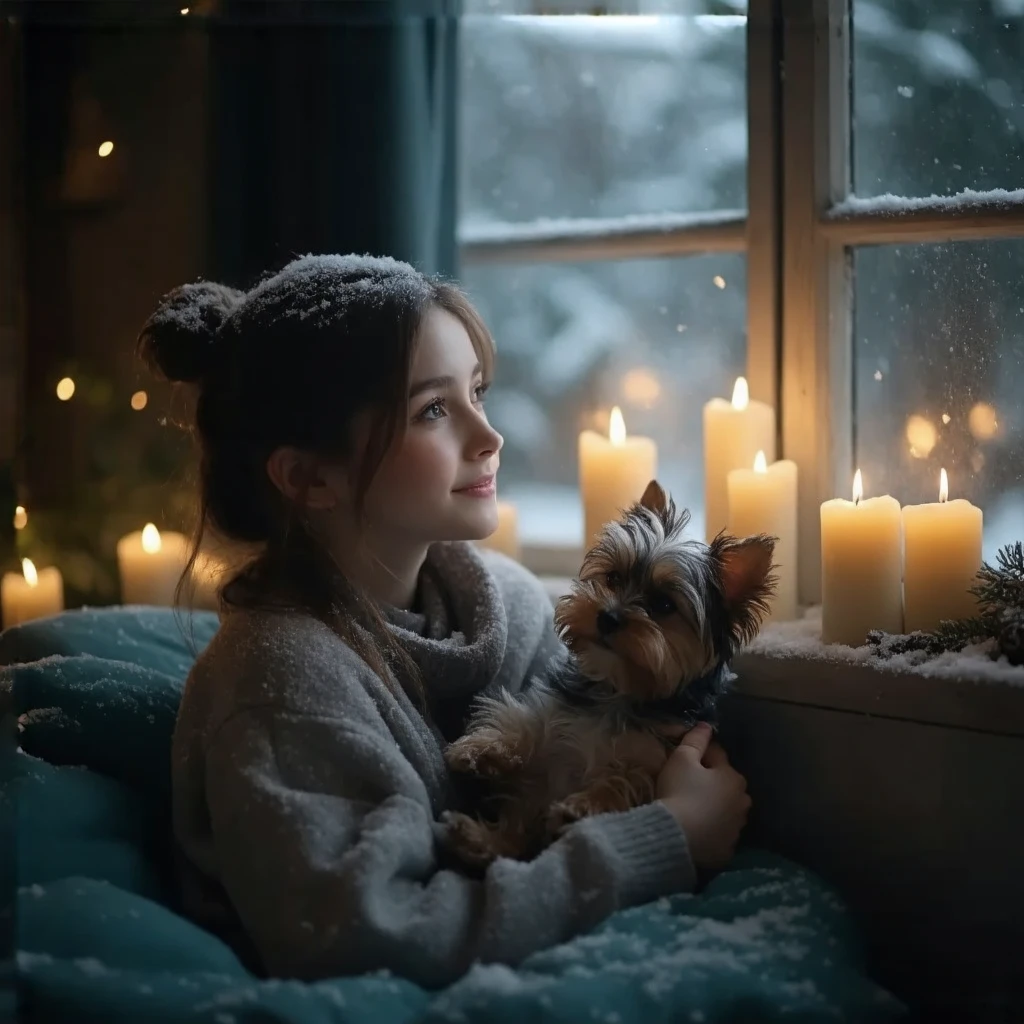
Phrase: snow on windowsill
(546, 229)
(965, 689)
(969, 199)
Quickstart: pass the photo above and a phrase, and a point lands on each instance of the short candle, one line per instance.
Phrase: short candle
(30, 594)
(941, 557)
(151, 563)
(861, 567)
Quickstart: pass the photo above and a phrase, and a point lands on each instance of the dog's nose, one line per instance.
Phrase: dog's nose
(608, 622)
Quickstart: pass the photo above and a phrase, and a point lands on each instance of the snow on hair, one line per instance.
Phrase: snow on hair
(177, 340)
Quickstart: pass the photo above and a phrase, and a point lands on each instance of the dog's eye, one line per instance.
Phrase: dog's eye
(613, 579)
(661, 604)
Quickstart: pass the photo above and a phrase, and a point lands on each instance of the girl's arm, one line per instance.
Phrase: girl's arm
(326, 843)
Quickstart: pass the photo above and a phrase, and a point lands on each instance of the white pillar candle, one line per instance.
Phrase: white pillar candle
(941, 557)
(151, 563)
(506, 537)
(861, 567)
(734, 432)
(614, 472)
(30, 594)
(763, 500)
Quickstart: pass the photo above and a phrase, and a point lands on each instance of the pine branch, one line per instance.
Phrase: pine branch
(1002, 586)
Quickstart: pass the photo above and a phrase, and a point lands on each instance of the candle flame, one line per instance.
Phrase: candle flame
(858, 487)
(151, 542)
(740, 394)
(760, 463)
(29, 571)
(20, 517)
(617, 428)
(943, 486)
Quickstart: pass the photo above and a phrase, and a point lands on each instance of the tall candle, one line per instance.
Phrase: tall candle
(941, 556)
(763, 500)
(30, 594)
(614, 471)
(734, 432)
(151, 563)
(861, 563)
(506, 537)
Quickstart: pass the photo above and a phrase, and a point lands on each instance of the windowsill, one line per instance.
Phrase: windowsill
(788, 663)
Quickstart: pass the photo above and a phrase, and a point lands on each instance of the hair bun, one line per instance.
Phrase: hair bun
(177, 340)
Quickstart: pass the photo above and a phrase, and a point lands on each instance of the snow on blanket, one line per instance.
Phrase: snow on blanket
(765, 941)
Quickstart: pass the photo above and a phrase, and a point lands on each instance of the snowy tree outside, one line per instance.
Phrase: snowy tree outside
(644, 113)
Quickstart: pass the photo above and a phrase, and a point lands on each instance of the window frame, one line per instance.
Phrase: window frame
(799, 233)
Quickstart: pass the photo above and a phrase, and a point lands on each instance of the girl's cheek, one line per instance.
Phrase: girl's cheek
(422, 463)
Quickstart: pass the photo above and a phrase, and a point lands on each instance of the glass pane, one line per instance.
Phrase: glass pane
(656, 337)
(937, 95)
(939, 359)
(602, 116)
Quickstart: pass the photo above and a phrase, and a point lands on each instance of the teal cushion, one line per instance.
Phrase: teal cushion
(160, 639)
(113, 717)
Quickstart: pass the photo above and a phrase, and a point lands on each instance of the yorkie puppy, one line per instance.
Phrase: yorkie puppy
(650, 626)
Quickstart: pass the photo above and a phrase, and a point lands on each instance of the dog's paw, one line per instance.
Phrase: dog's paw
(470, 840)
(564, 813)
(484, 753)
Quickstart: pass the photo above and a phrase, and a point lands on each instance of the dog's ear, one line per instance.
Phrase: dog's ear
(654, 498)
(748, 583)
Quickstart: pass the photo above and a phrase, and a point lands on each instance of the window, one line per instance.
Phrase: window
(604, 185)
(605, 171)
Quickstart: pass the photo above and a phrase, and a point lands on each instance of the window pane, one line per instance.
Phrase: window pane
(937, 97)
(598, 116)
(656, 337)
(939, 343)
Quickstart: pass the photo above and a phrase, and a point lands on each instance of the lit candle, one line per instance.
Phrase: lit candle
(941, 556)
(506, 537)
(614, 471)
(30, 594)
(861, 562)
(734, 432)
(763, 500)
(151, 563)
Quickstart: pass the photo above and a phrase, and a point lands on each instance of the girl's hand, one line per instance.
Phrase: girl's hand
(707, 796)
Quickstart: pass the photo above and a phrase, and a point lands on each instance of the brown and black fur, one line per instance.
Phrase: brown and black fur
(650, 626)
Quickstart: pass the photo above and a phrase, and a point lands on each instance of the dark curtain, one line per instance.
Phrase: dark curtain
(332, 130)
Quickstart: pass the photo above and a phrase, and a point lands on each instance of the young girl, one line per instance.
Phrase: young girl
(340, 418)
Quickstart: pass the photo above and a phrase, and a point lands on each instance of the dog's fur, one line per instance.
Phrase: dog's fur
(650, 626)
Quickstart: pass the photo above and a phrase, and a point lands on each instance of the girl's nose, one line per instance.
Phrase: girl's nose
(487, 441)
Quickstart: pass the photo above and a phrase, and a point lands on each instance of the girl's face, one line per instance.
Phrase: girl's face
(438, 481)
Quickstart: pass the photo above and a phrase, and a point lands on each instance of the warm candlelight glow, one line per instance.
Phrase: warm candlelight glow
(760, 463)
(858, 487)
(29, 572)
(151, 542)
(982, 421)
(943, 486)
(740, 394)
(106, 148)
(641, 386)
(617, 428)
(922, 435)
(20, 517)
(65, 388)
(139, 400)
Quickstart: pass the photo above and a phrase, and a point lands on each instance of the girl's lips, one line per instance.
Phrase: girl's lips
(481, 489)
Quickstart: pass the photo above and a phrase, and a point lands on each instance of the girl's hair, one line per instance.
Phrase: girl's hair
(294, 362)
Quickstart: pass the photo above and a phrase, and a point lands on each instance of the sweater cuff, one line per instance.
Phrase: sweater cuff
(651, 848)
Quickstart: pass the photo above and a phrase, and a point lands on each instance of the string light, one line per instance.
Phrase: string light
(65, 388)
(106, 148)
(139, 400)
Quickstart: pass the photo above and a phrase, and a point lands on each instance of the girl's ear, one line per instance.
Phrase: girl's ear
(302, 478)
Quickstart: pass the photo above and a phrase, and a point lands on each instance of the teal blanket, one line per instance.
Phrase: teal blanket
(99, 942)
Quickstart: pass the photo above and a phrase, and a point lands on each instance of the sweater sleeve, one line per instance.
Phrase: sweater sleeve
(326, 845)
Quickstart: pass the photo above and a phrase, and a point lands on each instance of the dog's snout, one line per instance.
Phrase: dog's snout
(608, 621)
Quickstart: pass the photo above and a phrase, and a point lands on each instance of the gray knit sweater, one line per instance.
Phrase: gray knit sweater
(307, 793)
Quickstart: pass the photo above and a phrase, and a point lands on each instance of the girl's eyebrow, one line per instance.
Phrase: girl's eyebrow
(436, 383)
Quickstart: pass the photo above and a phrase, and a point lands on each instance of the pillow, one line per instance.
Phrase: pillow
(156, 638)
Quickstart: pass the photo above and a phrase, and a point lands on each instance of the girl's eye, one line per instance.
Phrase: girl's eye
(480, 391)
(434, 411)
(661, 604)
